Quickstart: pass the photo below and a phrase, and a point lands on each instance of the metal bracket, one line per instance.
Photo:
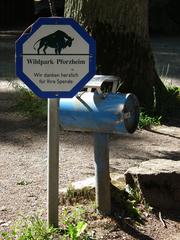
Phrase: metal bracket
(97, 81)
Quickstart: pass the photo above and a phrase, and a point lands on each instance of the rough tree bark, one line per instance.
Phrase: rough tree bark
(121, 30)
(52, 7)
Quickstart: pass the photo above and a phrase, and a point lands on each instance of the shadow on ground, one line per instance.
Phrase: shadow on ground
(11, 121)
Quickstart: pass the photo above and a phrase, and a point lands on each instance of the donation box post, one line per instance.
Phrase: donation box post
(103, 114)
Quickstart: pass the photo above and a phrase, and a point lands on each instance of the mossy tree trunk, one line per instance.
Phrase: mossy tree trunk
(121, 30)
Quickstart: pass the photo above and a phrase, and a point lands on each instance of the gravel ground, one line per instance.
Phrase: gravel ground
(23, 158)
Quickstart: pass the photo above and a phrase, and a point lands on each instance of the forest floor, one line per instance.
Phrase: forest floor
(23, 168)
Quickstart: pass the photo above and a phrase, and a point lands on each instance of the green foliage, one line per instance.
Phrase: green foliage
(75, 231)
(134, 199)
(134, 194)
(170, 108)
(32, 228)
(73, 196)
(128, 202)
(146, 121)
(74, 224)
(23, 183)
(30, 105)
(73, 227)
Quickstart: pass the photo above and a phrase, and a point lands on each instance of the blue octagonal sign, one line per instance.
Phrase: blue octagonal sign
(56, 58)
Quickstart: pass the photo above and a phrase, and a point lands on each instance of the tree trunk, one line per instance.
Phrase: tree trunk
(16, 14)
(52, 7)
(121, 30)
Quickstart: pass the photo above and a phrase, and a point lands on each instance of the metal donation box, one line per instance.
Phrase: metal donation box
(100, 112)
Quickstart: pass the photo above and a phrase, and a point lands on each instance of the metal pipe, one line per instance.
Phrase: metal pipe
(101, 155)
(53, 162)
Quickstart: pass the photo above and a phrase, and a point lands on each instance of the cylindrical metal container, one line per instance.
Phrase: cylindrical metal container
(107, 113)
